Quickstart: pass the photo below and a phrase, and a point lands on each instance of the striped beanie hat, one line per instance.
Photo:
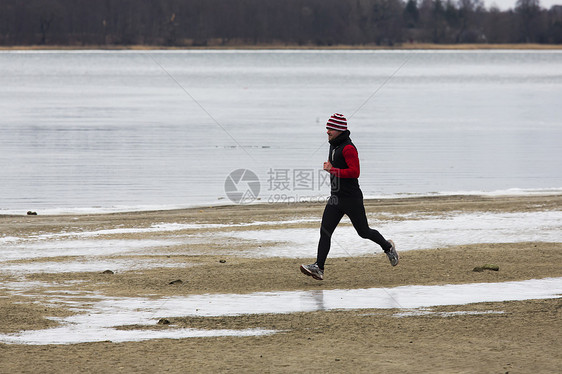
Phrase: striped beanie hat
(337, 122)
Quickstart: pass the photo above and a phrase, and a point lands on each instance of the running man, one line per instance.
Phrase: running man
(346, 197)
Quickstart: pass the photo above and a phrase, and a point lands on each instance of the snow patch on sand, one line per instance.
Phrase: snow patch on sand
(420, 233)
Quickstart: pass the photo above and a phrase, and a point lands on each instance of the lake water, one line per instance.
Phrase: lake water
(128, 130)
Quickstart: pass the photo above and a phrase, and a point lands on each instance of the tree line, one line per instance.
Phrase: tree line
(273, 22)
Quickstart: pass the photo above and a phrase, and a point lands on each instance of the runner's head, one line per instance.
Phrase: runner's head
(336, 125)
(337, 122)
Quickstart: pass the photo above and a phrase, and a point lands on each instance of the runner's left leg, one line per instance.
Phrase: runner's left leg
(330, 219)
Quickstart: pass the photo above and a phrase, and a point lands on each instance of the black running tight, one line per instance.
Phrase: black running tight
(335, 209)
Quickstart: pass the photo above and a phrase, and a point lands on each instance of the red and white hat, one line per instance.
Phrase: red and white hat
(337, 122)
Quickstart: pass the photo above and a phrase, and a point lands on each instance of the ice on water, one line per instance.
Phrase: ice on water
(98, 320)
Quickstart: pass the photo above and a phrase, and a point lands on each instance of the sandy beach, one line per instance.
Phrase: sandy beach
(218, 45)
(58, 269)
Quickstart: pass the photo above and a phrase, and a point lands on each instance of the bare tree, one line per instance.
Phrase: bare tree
(469, 30)
(529, 13)
(432, 15)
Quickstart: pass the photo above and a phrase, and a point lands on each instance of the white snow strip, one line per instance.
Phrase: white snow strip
(89, 265)
(425, 233)
(80, 333)
(57, 248)
(424, 312)
(156, 228)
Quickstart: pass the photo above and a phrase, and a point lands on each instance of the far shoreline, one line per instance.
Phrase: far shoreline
(404, 46)
(294, 205)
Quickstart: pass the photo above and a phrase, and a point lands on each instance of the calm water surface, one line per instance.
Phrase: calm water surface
(97, 130)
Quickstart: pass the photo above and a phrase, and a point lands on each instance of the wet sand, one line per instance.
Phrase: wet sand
(513, 336)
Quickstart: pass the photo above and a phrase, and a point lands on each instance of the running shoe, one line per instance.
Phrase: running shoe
(392, 254)
(313, 270)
